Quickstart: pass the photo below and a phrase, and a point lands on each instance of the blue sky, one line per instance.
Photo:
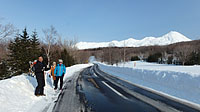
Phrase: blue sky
(105, 20)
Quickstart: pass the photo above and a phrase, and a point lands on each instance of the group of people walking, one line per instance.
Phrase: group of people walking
(56, 71)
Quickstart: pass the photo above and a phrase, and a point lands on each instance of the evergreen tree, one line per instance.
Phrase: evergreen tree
(14, 56)
(135, 58)
(34, 42)
(55, 56)
(154, 57)
(26, 54)
(3, 69)
(19, 56)
(194, 58)
(68, 60)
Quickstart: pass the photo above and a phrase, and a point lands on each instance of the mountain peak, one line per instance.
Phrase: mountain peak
(169, 38)
(176, 37)
(174, 33)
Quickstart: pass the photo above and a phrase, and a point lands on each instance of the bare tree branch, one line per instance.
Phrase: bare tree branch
(6, 31)
(50, 36)
(183, 52)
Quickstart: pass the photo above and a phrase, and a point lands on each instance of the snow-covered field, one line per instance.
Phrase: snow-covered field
(180, 81)
(17, 93)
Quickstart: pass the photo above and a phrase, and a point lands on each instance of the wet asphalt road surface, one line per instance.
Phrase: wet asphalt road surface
(92, 91)
(171, 103)
(106, 97)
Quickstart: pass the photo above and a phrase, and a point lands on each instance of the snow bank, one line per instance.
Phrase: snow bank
(76, 68)
(191, 70)
(17, 93)
(179, 81)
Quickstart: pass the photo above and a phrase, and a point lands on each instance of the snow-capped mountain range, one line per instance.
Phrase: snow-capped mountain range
(169, 38)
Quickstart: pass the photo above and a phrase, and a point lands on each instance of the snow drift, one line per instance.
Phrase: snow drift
(170, 38)
(17, 93)
(181, 84)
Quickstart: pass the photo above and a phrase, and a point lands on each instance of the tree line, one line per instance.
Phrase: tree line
(182, 53)
(17, 53)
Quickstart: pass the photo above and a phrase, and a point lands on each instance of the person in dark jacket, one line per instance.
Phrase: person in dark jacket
(40, 67)
(59, 72)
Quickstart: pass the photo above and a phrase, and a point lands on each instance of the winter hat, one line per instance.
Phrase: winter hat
(60, 61)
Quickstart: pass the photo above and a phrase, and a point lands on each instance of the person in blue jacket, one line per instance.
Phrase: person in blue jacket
(59, 72)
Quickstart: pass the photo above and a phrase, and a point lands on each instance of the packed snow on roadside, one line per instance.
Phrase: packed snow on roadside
(182, 82)
(17, 93)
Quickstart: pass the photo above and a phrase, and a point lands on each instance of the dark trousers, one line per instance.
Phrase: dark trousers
(54, 82)
(61, 81)
(41, 83)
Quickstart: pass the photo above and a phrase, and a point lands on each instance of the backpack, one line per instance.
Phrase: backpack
(33, 69)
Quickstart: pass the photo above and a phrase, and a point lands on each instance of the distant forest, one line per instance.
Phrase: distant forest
(183, 53)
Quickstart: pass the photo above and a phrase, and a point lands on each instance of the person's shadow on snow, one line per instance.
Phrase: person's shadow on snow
(48, 80)
(32, 81)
